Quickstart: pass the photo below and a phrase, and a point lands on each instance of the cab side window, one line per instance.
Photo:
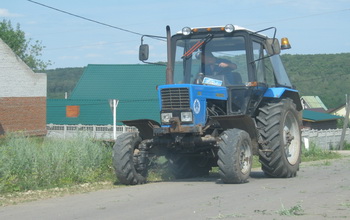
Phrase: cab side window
(263, 66)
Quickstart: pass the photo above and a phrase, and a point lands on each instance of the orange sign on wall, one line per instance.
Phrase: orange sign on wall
(72, 111)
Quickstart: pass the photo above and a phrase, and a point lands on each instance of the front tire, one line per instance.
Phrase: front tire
(279, 125)
(126, 159)
(235, 156)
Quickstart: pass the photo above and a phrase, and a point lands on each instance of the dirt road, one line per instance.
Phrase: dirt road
(320, 191)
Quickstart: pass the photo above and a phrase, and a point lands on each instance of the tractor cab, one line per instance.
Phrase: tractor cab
(220, 71)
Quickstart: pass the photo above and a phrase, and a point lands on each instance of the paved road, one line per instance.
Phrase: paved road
(320, 191)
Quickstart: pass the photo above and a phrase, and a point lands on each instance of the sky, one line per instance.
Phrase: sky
(312, 26)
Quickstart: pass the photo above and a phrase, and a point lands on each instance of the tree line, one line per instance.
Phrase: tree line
(323, 75)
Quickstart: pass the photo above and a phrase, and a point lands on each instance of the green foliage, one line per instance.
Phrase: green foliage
(61, 80)
(346, 146)
(323, 75)
(29, 164)
(22, 47)
(292, 211)
(315, 153)
(310, 74)
(340, 123)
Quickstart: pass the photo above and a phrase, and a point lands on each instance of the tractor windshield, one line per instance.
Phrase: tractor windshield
(220, 59)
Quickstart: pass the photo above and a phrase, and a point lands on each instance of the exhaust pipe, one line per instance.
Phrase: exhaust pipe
(169, 69)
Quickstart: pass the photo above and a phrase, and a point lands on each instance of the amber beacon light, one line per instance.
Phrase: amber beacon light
(285, 43)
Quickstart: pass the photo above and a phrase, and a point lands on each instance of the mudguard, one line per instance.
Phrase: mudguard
(281, 92)
(243, 122)
(145, 127)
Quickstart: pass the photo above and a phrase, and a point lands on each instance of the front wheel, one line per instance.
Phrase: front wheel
(235, 156)
(126, 160)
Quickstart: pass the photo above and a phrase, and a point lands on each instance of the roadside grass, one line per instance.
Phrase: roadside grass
(346, 146)
(315, 153)
(292, 211)
(43, 163)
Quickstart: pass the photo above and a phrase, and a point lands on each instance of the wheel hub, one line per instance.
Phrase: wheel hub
(290, 138)
(244, 158)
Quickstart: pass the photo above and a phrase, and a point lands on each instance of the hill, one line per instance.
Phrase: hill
(62, 80)
(323, 75)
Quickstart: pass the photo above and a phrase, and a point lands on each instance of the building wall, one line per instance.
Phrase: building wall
(322, 125)
(23, 114)
(22, 95)
(340, 112)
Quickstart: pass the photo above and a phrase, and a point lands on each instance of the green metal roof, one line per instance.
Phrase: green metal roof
(318, 116)
(123, 82)
(134, 85)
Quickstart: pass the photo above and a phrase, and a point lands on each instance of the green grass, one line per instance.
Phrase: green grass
(292, 211)
(315, 153)
(346, 146)
(42, 163)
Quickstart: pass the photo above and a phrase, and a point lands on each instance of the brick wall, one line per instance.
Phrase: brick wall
(26, 114)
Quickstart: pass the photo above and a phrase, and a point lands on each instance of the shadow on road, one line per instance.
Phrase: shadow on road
(215, 178)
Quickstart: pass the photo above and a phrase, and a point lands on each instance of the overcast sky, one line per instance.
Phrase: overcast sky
(312, 26)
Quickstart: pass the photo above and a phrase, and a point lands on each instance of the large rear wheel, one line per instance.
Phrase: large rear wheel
(279, 125)
(127, 160)
(235, 156)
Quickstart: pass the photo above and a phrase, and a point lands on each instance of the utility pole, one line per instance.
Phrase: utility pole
(346, 122)
(113, 103)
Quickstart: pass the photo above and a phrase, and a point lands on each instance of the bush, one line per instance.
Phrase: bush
(346, 146)
(316, 153)
(32, 163)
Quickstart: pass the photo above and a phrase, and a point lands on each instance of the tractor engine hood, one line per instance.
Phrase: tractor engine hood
(187, 102)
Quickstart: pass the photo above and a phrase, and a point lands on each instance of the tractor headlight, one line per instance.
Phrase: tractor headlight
(166, 117)
(229, 28)
(186, 116)
(186, 31)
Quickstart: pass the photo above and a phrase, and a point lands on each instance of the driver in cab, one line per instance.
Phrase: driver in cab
(215, 66)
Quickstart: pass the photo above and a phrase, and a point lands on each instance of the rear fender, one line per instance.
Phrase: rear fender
(145, 127)
(280, 92)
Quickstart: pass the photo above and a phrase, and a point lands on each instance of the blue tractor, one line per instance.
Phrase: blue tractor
(227, 97)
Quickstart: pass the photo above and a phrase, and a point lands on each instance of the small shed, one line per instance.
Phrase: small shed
(340, 110)
(319, 121)
(313, 102)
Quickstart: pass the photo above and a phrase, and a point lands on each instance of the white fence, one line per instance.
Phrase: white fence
(325, 139)
(93, 131)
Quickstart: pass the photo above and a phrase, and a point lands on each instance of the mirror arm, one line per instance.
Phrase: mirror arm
(156, 38)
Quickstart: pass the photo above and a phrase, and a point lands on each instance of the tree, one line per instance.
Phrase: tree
(22, 47)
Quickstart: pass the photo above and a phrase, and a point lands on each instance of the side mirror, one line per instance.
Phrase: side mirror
(143, 52)
(273, 46)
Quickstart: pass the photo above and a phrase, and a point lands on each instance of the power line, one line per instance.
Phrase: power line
(88, 19)
(88, 45)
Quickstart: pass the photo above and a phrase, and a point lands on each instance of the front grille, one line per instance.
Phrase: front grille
(175, 98)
